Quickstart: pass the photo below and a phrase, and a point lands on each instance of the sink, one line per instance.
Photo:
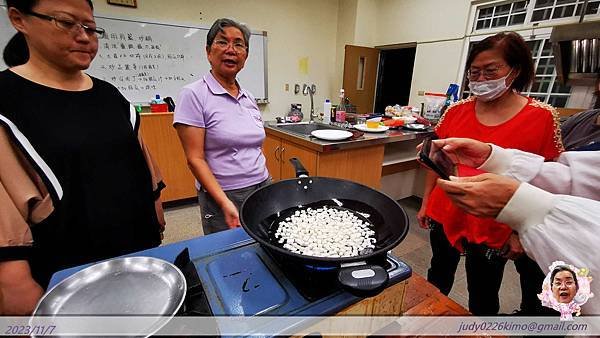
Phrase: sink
(305, 128)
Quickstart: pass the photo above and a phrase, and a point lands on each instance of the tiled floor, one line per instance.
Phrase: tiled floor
(184, 223)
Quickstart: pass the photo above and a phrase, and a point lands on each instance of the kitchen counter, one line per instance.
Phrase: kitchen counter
(384, 161)
(378, 160)
(161, 138)
(368, 139)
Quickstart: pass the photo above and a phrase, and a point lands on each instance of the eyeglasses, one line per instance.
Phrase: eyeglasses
(70, 25)
(568, 283)
(488, 73)
(238, 46)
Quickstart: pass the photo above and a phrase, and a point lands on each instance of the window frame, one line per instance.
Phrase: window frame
(537, 58)
(568, 19)
(494, 5)
(477, 6)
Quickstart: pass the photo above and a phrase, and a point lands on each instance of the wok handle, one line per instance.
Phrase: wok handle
(363, 280)
(298, 167)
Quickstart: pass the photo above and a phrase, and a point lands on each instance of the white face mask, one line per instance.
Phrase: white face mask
(489, 90)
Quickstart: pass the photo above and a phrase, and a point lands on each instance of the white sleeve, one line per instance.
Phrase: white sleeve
(557, 227)
(575, 173)
(553, 226)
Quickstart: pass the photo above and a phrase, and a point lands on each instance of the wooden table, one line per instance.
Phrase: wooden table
(413, 297)
(421, 298)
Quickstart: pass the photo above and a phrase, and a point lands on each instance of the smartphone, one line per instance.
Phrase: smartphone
(437, 160)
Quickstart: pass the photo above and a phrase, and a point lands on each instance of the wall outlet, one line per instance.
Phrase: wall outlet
(287, 87)
(421, 93)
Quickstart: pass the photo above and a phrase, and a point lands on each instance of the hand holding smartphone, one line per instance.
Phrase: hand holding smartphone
(436, 159)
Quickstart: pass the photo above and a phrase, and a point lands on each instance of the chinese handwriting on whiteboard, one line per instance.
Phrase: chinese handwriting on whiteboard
(138, 62)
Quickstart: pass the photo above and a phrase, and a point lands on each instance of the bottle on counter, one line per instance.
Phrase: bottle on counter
(157, 100)
(327, 111)
(340, 112)
(332, 112)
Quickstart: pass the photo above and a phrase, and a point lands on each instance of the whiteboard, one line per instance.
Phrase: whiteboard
(146, 58)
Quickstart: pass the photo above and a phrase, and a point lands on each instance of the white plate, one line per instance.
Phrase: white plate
(331, 134)
(363, 127)
(415, 126)
(406, 119)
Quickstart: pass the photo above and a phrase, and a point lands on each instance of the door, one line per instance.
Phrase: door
(360, 76)
(271, 150)
(394, 77)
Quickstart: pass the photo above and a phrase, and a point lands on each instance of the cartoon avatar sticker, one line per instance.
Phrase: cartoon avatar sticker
(565, 289)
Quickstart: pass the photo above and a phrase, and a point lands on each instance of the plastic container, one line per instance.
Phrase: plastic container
(159, 108)
(327, 111)
(340, 116)
(156, 100)
(295, 113)
(434, 102)
(157, 105)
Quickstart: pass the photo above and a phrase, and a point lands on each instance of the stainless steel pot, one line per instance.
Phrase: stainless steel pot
(585, 56)
(575, 52)
(595, 54)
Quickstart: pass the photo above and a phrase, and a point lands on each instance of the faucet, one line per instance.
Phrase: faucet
(311, 92)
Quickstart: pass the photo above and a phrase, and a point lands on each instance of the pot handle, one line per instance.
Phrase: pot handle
(363, 280)
(298, 167)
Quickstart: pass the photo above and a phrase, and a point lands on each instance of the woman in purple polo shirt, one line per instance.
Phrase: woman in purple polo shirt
(221, 130)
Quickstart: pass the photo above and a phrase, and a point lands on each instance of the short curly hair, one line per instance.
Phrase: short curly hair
(218, 26)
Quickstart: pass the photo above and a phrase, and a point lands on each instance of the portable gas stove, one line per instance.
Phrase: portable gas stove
(232, 275)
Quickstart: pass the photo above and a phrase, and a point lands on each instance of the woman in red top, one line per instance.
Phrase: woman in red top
(499, 67)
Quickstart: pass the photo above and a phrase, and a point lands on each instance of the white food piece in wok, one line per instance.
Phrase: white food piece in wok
(325, 232)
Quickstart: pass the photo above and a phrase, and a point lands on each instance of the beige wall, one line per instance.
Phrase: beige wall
(365, 31)
(357, 25)
(420, 20)
(296, 30)
(438, 28)
(346, 31)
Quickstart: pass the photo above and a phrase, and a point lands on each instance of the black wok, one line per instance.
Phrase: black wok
(362, 275)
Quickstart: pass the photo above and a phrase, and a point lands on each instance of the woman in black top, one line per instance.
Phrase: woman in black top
(80, 136)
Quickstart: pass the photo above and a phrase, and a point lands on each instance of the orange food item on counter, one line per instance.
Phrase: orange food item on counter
(393, 123)
(372, 124)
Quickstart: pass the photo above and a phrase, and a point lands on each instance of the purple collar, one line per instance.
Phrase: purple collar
(216, 88)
